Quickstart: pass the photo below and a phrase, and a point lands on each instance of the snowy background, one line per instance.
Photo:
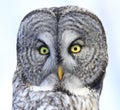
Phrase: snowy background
(11, 14)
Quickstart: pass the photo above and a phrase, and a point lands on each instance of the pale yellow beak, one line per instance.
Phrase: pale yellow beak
(60, 72)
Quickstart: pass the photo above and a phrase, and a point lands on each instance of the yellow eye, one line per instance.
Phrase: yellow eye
(44, 50)
(75, 48)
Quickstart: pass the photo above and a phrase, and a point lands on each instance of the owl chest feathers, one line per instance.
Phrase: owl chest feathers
(48, 96)
(30, 97)
(79, 99)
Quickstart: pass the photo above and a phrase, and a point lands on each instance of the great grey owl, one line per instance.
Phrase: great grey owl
(61, 60)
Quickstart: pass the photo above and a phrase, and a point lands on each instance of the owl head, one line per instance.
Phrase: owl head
(62, 49)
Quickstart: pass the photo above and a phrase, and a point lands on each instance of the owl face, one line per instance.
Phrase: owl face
(62, 49)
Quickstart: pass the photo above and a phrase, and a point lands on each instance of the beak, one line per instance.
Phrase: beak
(60, 72)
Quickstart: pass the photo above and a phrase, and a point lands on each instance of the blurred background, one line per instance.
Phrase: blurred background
(11, 14)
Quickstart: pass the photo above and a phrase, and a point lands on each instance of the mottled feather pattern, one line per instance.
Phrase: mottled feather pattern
(36, 83)
(27, 98)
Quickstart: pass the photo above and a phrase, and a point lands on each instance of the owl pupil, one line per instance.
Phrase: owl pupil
(75, 48)
(44, 51)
